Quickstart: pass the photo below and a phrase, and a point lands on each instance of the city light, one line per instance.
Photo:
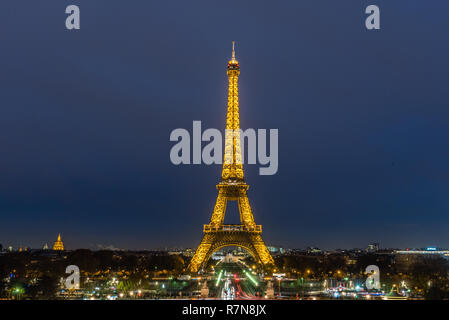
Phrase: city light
(219, 278)
(251, 278)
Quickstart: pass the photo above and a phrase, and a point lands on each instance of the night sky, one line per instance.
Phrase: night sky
(85, 120)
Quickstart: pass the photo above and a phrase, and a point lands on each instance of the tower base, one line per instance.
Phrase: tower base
(231, 236)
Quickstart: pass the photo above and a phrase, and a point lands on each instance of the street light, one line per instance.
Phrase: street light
(279, 287)
(279, 278)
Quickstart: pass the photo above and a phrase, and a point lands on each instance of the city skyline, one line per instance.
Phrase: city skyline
(100, 246)
(362, 121)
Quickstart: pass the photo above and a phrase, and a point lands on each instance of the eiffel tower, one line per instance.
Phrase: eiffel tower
(232, 187)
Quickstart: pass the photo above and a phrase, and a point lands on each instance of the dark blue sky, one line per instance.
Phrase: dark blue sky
(85, 119)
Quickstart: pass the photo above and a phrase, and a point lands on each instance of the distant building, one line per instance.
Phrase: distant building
(373, 247)
(59, 246)
(175, 252)
(218, 255)
(275, 249)
(188, 252)
(313, 250)
(426, 251)
(405, 259)
(45, 247)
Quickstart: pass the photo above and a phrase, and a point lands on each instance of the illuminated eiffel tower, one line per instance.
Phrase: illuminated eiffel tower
(232, 187)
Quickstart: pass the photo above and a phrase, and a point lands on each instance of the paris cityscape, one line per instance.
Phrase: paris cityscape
(224, 154)
(232, 262)
(300, 274)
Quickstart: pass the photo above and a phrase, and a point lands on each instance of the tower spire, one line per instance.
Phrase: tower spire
(232, 165)
(233, 63)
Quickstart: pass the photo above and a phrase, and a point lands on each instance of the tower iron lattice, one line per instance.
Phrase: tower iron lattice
(232, 187)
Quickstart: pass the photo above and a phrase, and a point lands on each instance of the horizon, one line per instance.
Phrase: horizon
(112, 247)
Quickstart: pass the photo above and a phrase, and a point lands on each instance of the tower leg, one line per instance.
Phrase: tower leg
(246, 215)
(201, 253)
(262, 251)
(219, 209)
